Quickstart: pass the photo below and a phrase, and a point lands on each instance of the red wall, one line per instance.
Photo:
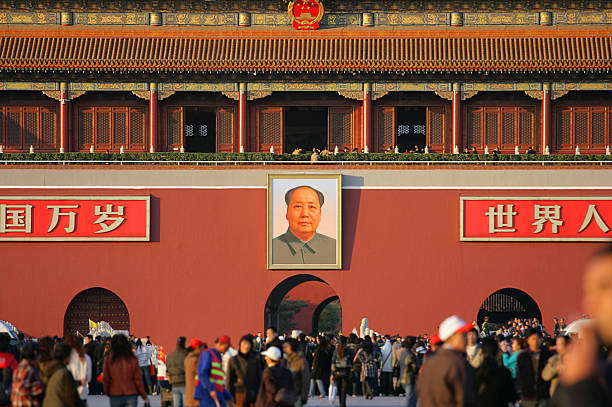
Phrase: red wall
(204, 272)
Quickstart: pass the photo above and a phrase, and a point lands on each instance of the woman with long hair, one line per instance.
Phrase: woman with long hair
(144, 361)
(369, 368)
(321, 367)
(341, 364)
(79, 365)
(122, 376)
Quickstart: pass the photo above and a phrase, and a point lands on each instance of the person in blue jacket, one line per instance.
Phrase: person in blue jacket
(210, 384)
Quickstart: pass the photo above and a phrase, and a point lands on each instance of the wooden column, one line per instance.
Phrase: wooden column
(456, 132)
(153, 119)
(546, 117)
(242, 117)
(64, 139)
(367, 117)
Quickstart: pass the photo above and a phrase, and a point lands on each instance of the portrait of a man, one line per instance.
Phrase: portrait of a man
(308, 216)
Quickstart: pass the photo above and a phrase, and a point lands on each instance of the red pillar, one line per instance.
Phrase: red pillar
(64, 141)
(456, 132)
(153, 117)
(242, 117)
(546, 117)
(367, 117)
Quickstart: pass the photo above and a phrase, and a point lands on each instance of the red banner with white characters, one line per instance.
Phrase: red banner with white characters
(536, 219)
(78, 218)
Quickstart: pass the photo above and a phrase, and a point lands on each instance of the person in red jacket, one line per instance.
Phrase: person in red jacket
(121, 377)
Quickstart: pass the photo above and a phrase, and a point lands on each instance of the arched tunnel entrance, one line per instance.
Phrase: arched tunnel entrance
(301, 302)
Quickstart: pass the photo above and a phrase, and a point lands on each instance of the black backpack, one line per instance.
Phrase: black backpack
(6, 384)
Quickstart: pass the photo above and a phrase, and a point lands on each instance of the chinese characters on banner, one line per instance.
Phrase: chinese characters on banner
(536, 219)
(81, 218)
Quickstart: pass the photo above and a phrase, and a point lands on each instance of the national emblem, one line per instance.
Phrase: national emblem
(306, 14)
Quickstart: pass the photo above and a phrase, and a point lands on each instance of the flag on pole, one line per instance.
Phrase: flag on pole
(92, 325)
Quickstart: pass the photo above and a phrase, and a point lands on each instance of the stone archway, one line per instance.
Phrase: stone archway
(97, 304)
(272, 309)
(506, 304)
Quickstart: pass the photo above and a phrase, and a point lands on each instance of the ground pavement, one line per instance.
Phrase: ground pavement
(102, 401)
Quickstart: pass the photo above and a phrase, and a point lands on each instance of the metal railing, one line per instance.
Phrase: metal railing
(606, 163)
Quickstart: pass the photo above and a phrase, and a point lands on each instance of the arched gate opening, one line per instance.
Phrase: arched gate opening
(96, 304)
(506, 304)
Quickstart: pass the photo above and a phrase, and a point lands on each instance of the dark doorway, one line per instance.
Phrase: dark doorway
(411, 127)
(97, 304)
(305, 128)
(281, 308)
(506, 304)
(199, 129)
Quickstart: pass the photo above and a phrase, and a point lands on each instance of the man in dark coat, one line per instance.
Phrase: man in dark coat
(175, 366)
(272, 339)
(276, 388)
(446, 379)
(90, 349)
(535, 390)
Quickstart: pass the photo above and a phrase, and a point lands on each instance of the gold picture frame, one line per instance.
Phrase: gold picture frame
(278, 186)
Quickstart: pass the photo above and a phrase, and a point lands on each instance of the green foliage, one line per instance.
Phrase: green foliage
(287, 311)
(232, 157)
(330, 321)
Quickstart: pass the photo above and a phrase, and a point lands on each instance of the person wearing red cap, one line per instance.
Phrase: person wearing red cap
(196, 347)
(210, 388)
(446, 379)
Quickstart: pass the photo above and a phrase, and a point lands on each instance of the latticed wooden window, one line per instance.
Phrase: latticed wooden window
(25, 126)
(435, 126)
(386, 127)
(474, 127)
(109, 128)
(505, 126)
(175, 128)
(225, 129)
(589, 127)
(270, 127)
(340, 127)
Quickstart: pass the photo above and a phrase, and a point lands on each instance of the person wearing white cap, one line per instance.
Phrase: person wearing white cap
(446, 379)
(276, 382)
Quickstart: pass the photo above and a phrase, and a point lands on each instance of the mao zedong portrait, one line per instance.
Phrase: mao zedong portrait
(301, 244)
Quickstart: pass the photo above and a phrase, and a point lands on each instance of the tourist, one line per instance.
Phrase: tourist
(409, 367)
(529, 366)
(244, 373)
(8, 365)
(341, 363)
(61, 389)
(386, 370)
(276, 387)
(90, 349)
(191, 371)
(80, 365)
(27, 386)
(586, 376)
(298, 365)
(446, 378)
(553, 366)
(144, 362)
(210, 389)
(368, 360)
(511, 354)
(321, 367)
(494, 384)
(175, 368)
(272, 339)
(473, 349)
(122, 375)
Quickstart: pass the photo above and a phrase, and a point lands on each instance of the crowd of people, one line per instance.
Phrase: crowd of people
(462, 365)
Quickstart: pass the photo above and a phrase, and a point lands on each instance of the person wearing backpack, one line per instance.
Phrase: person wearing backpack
(276, 389)
(8, 364)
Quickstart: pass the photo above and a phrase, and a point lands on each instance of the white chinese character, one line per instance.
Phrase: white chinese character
(500, 220)
(592, 213)
(108, 215)
(57, 212)
(15, 218)
(543, 213)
